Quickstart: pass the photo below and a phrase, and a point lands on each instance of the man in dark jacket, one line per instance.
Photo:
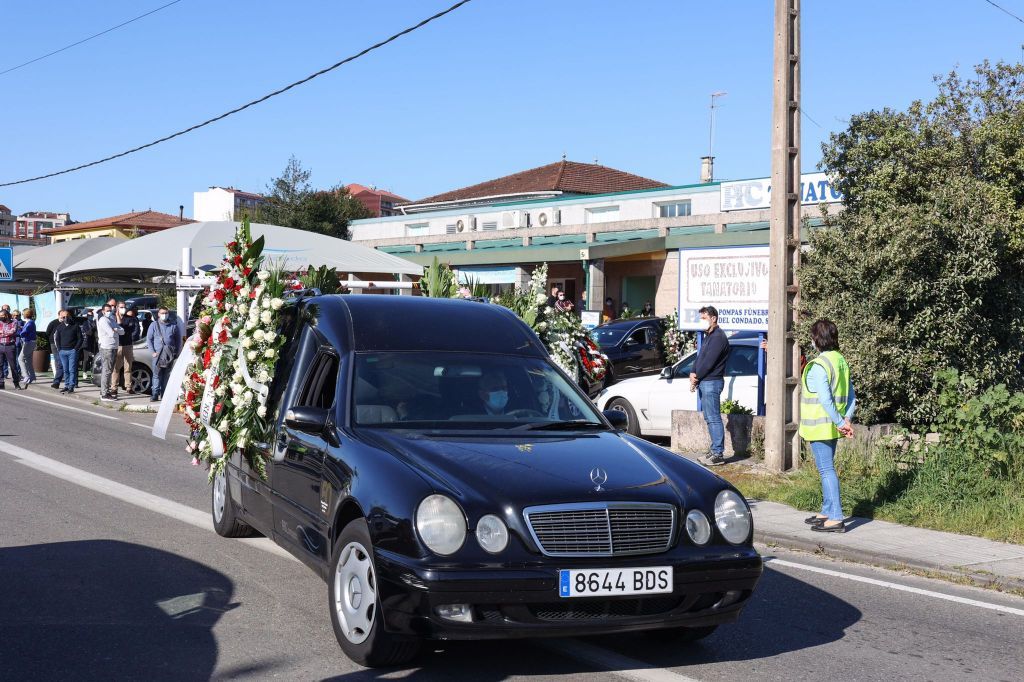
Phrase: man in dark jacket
(125, 350)
(58, 369)
(708, 377)
(68, 342)
(164, 340)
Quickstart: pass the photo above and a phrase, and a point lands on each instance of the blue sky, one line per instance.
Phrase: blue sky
(497, 87)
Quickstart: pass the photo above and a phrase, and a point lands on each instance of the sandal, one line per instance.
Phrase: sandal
(837, 528)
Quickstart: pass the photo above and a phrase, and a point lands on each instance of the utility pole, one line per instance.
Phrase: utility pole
(782, 442)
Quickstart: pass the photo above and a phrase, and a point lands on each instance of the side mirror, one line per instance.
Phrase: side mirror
(666, 372)
(307, 419)
(617, 419)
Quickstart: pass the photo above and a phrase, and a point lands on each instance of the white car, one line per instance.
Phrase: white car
(648, 401)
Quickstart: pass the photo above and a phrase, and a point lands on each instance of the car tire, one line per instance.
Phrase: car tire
(681, 635)
(353, 600)
(142, 378)
(225, 519)
(622, 405)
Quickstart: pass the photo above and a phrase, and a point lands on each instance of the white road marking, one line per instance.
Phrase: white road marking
(615, 663)
(60, 405)
(141, 426)
(897, 586)
(139, 498)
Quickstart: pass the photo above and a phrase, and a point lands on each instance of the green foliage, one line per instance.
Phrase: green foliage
(438, 281)
(324, 279)
(292, 202)
(923, 270)
(42, 343)
(730, 406)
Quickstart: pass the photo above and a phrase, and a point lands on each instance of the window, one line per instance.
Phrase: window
(416, 229)
(742, 361)
(685, 368)
(321, 382)
(489, 226)
(676, 209)
(602, 214)
(638, 337)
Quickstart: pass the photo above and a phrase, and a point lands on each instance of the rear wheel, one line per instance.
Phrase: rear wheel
(142, 378)
(354, 601)
(225, 520)
(622, 405)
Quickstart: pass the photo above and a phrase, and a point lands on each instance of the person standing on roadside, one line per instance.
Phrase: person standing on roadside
(826, 408)
(58, 369)
(108, 332)
(164, 341)
(68, 342)
(125, 349)
(8, 343)
(708, 377)
(27, 334)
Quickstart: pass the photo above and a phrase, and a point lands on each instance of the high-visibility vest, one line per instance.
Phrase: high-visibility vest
(815, 424)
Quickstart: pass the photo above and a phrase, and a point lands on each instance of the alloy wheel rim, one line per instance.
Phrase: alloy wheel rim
(219, 496)
(355, 592)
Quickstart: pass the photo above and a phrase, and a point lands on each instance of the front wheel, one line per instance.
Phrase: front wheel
(225, 520)
(622, 405)
(354, 600)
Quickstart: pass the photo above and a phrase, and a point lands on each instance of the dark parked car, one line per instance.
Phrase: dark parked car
(448, 481)
(633, 346)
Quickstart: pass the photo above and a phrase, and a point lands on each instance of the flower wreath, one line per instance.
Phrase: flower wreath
(236, 348)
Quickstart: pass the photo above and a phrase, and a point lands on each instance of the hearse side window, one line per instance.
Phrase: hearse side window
(321, 382)
(638, 337)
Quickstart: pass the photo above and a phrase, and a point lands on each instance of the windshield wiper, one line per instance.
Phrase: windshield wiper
(571, 425)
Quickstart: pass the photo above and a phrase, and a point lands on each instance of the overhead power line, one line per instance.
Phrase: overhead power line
(85, 40)
(245, 106)
(1003, 9)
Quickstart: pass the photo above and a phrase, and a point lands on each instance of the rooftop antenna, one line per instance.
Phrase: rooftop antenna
(711, 131)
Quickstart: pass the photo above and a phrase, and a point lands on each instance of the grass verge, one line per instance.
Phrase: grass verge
(935, 494)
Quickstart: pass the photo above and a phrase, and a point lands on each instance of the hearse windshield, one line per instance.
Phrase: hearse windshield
(457, 391)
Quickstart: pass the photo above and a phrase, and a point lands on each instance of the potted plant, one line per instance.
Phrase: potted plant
(41, 355)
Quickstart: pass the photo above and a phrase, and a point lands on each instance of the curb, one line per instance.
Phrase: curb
(892, 562)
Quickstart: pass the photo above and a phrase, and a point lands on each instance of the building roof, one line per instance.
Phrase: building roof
(4, 209)
(355, 188)
(144, 220)
(569, 177)
(238, 192)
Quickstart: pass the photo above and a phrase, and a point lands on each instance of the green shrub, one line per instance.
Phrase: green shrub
(730, 406)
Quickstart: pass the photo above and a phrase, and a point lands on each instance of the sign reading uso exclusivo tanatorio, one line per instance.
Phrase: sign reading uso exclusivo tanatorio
(815, 188)
(734, 280)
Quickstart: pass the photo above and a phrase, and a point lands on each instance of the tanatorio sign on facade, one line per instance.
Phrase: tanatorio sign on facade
(815, 188)
(732, 279)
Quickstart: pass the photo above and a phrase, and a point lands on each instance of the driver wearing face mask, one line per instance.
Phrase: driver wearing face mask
(494, 392)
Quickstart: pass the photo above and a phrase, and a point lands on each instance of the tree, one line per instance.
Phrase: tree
(292, 202)
(924, 269)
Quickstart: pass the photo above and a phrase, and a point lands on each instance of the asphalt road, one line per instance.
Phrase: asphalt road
(109, 569)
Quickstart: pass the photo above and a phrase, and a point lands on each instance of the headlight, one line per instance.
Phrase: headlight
(491, 533)
(698, 527)
(441, 524)
(732, 517)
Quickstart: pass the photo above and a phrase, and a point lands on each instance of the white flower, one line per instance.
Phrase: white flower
(203, 445)
(269, 337)
(223, 428)
(236, 388)
(541, 298)
(266, 304)
(241, 442)
(266, 317)
(251, 324)
(261, 410)
(244, 292)
(251, 355)
(257, 335)
(246, 398)
(271, 354)
(247, 342)
(242, 308)
(263, 275)
(276, 303)
(221, 391)
(263, 376)
(541, 326)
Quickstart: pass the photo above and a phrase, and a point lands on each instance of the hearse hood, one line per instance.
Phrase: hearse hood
(523, 470)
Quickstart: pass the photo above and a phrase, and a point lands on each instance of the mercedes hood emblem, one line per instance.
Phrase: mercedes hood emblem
(598, 477)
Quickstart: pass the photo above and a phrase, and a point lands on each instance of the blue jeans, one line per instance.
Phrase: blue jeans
(824, 458)
(711, 406)
(58, 368)
(160, 376)
(69, 366)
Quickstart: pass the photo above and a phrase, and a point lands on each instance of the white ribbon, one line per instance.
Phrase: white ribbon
(261, 390)
(172, 391)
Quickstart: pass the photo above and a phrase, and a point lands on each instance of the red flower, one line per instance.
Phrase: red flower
(219, 295)
(246, 271)
(218, 407)
(216, 380)
(229, 283)
(252, 294)
(232, 245)
(223, 336)
(207, 356)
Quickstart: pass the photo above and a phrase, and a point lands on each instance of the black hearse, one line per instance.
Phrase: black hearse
(448, 481)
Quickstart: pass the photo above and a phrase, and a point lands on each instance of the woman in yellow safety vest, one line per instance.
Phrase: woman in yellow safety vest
(826, 408)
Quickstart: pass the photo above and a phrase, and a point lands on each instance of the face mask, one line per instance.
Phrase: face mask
(64, 320)
(561, 298)
(497, 400)
(163, 317)
(121, 310)
(705, 324)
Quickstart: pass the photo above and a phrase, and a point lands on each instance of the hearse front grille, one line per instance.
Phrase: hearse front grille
(602, 528)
